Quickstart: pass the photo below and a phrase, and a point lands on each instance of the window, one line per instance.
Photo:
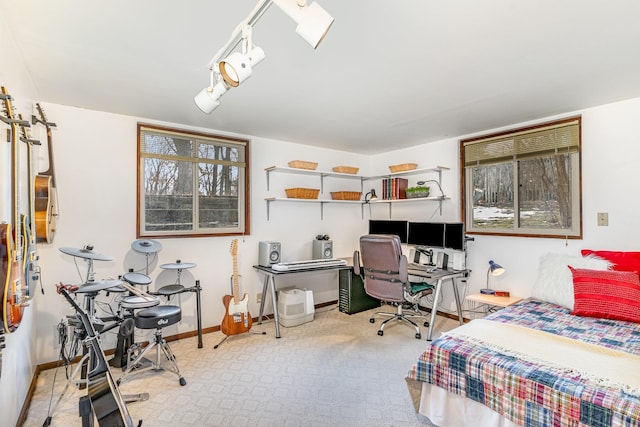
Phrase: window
(524, 182)
(191, 184)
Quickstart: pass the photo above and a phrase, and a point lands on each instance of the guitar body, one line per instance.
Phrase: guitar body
(29, 265)
(5, 253)
(237, 319)
(12, 304)
(44, 209)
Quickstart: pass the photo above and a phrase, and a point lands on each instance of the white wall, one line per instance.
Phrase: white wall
(610, 173)
(19, 356)
(95, 164)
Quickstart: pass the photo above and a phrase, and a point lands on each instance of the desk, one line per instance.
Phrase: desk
(441, 275)
(270, 284)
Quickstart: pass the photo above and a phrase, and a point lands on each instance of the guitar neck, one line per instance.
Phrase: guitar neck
(48, 126)
(236, 286)
(15, 187)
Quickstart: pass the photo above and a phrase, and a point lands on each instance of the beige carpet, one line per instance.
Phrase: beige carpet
(333, 371)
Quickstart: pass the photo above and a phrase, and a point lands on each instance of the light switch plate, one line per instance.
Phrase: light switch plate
(603, 219)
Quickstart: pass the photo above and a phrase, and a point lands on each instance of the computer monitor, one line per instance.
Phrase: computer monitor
(397, 227)
(454, 236)
(429, 234)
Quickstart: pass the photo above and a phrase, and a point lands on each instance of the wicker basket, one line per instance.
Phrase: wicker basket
(302, 193)
(403, 167)
(301, 164)
(346, 169)
(346, 195)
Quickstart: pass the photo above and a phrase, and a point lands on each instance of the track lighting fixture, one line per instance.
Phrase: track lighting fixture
(237, 67)
(313, 21)
(208, 98)
(229, 68)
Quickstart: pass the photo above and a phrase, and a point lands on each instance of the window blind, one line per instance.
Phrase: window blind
(560, 138)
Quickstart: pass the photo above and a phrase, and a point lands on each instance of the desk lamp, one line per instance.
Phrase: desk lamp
(493, 270)
(372, 196)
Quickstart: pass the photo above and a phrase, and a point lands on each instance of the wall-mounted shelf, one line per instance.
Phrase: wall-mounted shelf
(391, 202)
(320, 202)
(324, 174)
(437, 169)
(321, 174)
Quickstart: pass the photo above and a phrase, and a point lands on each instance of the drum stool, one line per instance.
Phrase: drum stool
(157, 317)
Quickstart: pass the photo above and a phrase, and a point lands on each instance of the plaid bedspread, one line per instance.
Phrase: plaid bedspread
(531, 394)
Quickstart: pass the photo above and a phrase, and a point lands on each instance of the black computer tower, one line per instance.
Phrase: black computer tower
(352, 296)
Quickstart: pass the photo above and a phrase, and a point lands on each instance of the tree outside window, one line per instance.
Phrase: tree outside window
(191, 183)
(524, 182)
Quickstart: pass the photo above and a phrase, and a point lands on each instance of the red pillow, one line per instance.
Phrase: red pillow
(606, 294)
(622, 261)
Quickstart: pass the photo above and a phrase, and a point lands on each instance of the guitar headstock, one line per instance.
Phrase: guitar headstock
(234, 247)
(26, 135)
(43, 118)
(6, 104)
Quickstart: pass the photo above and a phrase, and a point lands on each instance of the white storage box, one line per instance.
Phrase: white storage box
(295, 306)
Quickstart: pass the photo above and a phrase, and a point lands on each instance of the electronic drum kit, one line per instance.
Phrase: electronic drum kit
(129, 283)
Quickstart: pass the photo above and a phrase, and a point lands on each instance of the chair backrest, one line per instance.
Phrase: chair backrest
(384, 267)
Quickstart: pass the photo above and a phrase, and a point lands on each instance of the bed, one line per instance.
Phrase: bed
(540, 363)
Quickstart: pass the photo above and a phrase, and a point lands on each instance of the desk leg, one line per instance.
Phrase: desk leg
(456, 293)
(434, 308)
(274, 299)
(264, 294)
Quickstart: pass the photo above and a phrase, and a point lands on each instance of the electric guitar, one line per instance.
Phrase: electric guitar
(45, 198)
(236, 319)
(108, 405)
(14, 297)
(29, 260)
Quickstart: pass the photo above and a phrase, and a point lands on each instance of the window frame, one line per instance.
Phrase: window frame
(244, 193)
(466, 196)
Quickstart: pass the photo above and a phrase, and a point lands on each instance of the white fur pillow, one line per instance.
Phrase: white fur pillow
(555, 282)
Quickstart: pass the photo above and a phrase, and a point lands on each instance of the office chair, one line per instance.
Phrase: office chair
(385, 276)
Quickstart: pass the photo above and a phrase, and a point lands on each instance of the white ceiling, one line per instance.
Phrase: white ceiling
(389, 74)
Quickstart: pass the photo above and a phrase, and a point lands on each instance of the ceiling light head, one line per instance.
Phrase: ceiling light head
(313, 21)
(207, 99)
(237, 67)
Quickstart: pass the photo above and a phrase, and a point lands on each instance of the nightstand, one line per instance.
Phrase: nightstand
(491, 302)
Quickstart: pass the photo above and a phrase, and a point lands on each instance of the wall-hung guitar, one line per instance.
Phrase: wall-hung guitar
(30, 258)
(236, 319)
(14, 294)
(46, 204)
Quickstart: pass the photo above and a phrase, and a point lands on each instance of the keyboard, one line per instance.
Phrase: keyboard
(308, 264)
(421, 267)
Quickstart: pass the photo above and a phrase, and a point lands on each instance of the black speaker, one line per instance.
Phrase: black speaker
(322, 249)
(269, 253)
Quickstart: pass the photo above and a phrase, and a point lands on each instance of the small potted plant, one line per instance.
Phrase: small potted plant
(416, 192)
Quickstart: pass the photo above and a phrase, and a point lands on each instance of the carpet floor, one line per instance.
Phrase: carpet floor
(333, 371)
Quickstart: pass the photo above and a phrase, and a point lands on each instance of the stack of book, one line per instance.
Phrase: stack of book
(394, 188)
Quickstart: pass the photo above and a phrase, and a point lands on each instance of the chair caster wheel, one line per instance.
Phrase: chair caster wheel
(372, 320)
(183, 382)
(418, 336)
(381, 333)
(426, 324)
